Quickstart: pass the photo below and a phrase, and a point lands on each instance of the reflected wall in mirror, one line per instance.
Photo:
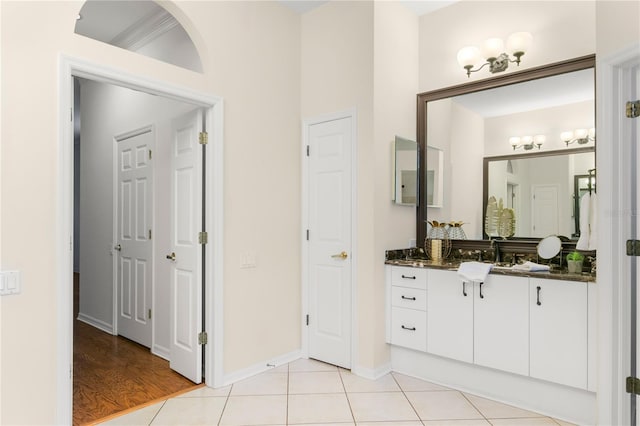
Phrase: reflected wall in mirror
(475, 120)
(434, 186)
(405, 171)
(539, 187)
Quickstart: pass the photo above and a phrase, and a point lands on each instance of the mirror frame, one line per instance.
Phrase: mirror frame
(487, 160)
(576, 64)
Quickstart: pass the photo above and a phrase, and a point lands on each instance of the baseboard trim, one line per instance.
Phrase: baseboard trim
(260, 367)
(99, 324)
(161, 351)
(372, 373)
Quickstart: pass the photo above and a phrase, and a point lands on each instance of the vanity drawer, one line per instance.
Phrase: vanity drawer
(409, 328)
(406, 297)
(409, 277)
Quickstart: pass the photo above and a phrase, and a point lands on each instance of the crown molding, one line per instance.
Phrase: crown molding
(145, 30)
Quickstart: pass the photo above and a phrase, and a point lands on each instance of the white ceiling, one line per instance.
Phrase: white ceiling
(547, 92)
(104, 20)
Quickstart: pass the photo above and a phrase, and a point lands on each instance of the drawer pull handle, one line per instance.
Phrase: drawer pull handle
(481, 295)
(409, 328)
(408, 298)
(538, 302)
(464, 288)
(409, 277)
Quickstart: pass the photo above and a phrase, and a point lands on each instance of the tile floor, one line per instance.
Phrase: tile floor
(313, 393)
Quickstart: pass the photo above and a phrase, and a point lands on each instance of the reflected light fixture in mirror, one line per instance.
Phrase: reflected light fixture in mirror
(493, 53)
(527, 142)
(582, 136)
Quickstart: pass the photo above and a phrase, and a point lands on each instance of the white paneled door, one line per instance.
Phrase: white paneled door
(133, 230)
(329, 236)
(186, 251)
(544, 210)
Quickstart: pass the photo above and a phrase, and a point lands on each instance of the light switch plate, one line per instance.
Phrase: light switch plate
(10, 283)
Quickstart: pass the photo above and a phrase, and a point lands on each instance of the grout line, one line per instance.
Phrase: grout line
(286, 414)
(346, 395)
(474, 406)
(157, 412)
(407, 398)
(224, 407)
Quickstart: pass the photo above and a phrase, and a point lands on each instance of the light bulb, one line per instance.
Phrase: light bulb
(539, 139)
(492, 48)
(581, 133)
(514, 141)
(519, 42)
(592, 133)
(526, 140)
(468, 56)
(566, 136)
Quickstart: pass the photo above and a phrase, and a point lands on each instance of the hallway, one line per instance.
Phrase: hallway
(112, 374)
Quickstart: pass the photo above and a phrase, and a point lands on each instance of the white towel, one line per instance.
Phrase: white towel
(585, 207)
(474, 271)
(593, 223)
(531, 267)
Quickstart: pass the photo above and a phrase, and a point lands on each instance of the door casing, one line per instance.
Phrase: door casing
(70, 67)
(350, 113)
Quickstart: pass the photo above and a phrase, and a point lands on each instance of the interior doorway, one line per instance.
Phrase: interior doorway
(120, 185)
(212, 279)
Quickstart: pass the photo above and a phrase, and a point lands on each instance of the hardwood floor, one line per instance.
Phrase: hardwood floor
(113, 374)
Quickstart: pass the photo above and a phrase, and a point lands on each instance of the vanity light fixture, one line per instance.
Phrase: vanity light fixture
(582, 136)
(527, 142)
(494, 54)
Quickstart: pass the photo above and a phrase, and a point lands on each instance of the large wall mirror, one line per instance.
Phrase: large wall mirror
(471, 126)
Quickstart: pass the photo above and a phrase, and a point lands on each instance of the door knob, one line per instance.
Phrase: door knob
(343, 255)
(172, 256)
(118, 247)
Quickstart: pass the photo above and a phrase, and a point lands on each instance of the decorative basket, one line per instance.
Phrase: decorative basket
(456, 232)
(437, 244)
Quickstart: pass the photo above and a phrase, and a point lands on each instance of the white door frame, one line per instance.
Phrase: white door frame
(70, 67)
(613, 312)
(306, 124)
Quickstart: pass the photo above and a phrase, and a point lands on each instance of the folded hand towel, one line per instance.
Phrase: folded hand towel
(474, 271)
(531, 267)
(593, 222)
(585, 207)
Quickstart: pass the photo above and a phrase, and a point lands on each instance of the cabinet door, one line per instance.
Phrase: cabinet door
(501, 323)
(558, 311)
(449, 315)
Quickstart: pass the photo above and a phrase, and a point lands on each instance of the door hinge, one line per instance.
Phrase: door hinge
(202, 338)
(307, 319)
(307, 150)
(149, 233)
(149, 314)
(307, 235)
(633, 385)
(633, 109)
(203, 138)
(71, 113)
(203, 237)
(633, 247)
(150, 154)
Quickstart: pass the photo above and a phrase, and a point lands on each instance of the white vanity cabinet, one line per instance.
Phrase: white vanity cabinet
(408, 317)
(449, 315)
(559, 328)
(501, 323)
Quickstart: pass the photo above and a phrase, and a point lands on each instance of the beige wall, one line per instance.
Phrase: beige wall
(262, 133)
(337, 75)
(617, 26)
(395, 84)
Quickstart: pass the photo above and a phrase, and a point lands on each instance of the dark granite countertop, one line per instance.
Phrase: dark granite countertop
(553, 274)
